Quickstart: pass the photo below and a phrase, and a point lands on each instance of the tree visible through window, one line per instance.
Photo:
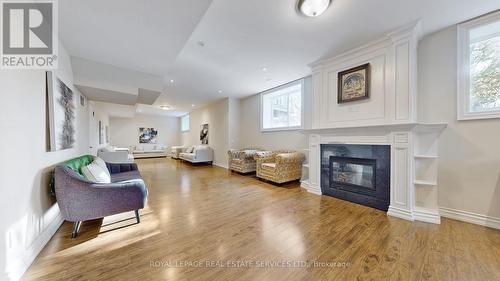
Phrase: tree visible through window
(485, 68)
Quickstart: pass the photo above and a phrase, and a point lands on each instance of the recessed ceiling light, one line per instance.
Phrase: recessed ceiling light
(165, 107)
(193, 105)
(264, 69)
(172, 81)
(313, 8)
(220, 91)
(201, 43)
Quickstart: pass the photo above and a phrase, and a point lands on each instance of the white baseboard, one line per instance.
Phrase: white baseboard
(427, 216)
(474, 218)
(310, 188)
(30, 254)
(220, 165)
(400, 213)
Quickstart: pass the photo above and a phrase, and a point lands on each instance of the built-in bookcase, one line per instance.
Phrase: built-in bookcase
(305, 167)
(425, 163)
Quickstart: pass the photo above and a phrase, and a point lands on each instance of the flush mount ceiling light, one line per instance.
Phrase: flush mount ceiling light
(165, 107)
(312, 8)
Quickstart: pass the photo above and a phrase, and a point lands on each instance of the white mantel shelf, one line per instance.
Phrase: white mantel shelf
(418, 127)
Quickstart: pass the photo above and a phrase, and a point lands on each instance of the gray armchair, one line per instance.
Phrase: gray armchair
(80, 200)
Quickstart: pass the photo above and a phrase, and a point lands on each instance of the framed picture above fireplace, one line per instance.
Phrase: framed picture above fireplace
(354, 84)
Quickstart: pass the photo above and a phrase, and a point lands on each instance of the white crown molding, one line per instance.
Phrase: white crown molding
(410, 30)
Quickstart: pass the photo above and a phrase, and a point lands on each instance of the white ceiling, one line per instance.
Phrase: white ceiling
(240, 38)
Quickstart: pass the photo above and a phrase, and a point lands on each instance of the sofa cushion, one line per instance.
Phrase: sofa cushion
(126, 176)
(186, 155)
(95, 173)
(190, 149)
(76, 164)
(102, 164)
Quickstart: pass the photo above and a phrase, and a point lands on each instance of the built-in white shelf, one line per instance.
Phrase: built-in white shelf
(426, 183)
(422, 156)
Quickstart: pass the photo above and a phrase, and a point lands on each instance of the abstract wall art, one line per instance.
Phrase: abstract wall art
(61, 113)
(204, 134)
(148, 135)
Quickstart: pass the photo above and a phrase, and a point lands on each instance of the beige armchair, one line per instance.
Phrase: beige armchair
(279, 166)
(242, 160)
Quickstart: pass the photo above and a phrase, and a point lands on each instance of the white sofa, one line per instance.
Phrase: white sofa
(176, 150)
(149, 151)
(198, 154)
(113, 154)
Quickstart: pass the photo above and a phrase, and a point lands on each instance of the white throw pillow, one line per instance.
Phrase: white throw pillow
(101, 164)
(95, 173)
(190, 149)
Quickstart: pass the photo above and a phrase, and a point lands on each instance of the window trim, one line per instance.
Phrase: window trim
(463, 69)
(289, 84)
(189, 123)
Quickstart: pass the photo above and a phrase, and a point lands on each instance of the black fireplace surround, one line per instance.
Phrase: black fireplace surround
(357, 173)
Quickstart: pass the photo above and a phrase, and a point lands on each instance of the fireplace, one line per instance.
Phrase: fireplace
(357, 173)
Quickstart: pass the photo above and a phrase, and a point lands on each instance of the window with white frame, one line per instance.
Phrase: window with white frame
(479, 68)
(185, 123)
(281, 108)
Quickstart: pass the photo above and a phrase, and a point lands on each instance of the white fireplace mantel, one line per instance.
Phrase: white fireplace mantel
(388, 117)
(410, 145)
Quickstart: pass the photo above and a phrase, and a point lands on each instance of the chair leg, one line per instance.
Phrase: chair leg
(76, 228)
(137, 216)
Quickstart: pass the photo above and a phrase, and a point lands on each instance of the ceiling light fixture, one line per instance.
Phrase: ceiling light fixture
(172, 81)
(264, 69)
(193, 105)
(220, 91)
(165, 107)
(312, 8)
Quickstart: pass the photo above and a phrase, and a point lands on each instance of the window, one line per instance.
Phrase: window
(281, 108)
(185, 123)
(479, 68)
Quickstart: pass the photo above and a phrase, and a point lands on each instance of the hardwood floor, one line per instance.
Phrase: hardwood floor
(206, 214)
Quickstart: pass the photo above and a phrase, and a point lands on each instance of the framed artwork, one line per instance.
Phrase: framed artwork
(101, 133)
(148, 135)
(61, 105)
(204, 134)
(82, 100)
(354, 84)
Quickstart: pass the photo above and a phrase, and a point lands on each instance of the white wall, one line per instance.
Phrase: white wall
(469, 160)
(105, 76)
(125, 131)
(29, 214)
(216, 116)
(249, 123)
(97, 113)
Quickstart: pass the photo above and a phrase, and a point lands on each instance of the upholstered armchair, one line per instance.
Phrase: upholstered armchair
(242, 160)
(81, 200)
(279, 166)
(176, 150)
